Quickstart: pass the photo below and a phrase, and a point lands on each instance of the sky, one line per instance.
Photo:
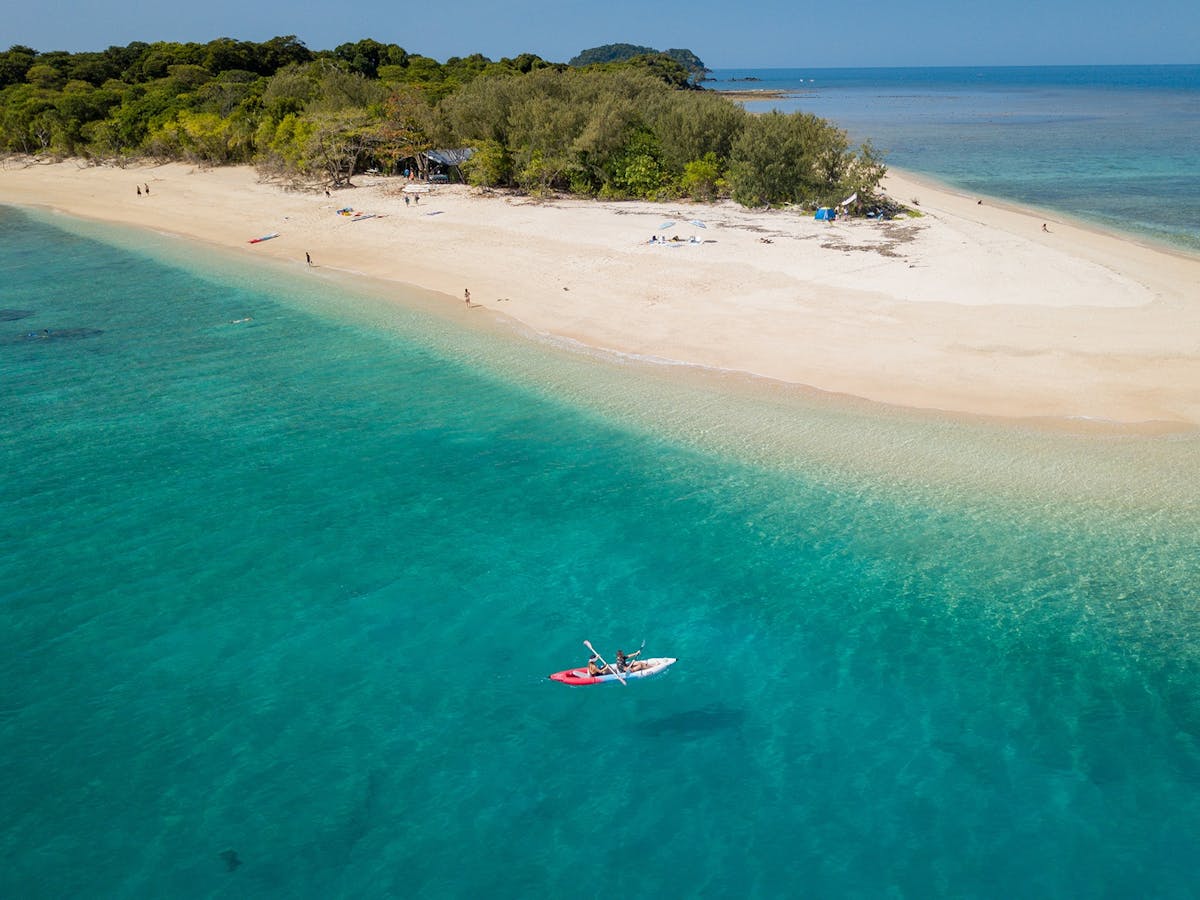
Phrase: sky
(754, 33)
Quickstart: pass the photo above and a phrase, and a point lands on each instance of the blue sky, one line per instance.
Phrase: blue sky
(753, 33)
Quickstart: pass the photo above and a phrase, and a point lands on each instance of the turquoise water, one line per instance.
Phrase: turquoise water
(1114, 146)
(290, 587)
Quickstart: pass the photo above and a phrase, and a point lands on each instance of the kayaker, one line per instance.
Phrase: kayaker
(594, 669)
(625, 663)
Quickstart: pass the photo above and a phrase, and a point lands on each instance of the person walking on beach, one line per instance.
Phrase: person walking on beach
(406, 198)
(139, 190)
(307, 258)
(1045, 229)
(417, 199)
(147, 190)
(467, 297)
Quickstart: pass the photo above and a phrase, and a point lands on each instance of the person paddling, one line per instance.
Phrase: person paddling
(597, 666)
(625, 662)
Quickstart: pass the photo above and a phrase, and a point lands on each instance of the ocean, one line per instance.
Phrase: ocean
(1111, 146)
(284, 566)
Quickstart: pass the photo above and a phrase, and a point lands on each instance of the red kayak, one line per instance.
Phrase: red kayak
(643, 668)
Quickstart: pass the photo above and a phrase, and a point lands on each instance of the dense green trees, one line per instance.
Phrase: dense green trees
(630, 125)
(623, 133)
(789, 159)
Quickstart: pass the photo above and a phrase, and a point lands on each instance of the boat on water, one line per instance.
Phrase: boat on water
(644, 668)
(598, 670)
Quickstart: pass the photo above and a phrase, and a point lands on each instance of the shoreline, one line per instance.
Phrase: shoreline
(970, 309)
(751, 95)
(922, 180)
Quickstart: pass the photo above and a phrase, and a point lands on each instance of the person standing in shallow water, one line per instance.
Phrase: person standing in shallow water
(307, 258)
(467, 297)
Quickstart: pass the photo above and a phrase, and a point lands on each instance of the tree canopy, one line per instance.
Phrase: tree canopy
(623, 123)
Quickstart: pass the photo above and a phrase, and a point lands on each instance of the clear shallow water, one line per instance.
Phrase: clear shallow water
(1112, 145)
(292, 586)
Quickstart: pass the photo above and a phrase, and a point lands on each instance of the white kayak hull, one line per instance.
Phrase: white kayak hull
(643, 669)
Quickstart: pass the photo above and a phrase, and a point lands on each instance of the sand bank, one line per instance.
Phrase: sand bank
(971, 308)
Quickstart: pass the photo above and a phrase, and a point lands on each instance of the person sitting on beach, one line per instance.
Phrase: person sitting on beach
(594, 669)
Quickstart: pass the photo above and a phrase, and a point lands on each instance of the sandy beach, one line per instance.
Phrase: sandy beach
(971, 308)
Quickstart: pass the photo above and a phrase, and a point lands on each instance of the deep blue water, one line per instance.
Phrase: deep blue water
(1112, 145)
(283, 570)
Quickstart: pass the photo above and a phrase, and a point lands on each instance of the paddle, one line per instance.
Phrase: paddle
(596, 653)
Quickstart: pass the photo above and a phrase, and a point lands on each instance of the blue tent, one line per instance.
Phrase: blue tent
(826, 214)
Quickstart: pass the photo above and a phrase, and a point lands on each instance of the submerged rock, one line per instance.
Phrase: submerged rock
(11, 315)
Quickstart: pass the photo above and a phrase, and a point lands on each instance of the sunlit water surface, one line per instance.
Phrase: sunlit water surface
(284, 566)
